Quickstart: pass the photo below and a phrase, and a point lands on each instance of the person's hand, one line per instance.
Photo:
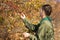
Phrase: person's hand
(23, 16)
(26, 35)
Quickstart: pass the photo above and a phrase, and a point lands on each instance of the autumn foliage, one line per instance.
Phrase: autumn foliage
(11, 25)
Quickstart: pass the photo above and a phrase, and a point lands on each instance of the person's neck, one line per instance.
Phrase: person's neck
(44, 16)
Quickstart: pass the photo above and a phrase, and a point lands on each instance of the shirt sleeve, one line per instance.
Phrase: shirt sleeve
(31, 26)
(33, 37)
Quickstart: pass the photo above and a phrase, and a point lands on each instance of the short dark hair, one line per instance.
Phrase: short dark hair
(47, 8)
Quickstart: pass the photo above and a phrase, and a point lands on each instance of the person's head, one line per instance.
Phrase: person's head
(46, 10)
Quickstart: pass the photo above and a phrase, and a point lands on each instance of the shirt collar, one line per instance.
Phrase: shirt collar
(47, 18)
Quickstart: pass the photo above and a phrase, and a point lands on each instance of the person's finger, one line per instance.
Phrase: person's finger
(23, 14)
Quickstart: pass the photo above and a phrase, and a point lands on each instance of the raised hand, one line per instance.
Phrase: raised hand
(23, 16)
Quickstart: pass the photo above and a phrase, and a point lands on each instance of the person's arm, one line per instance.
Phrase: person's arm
(28, 35)
(31, 26)
(40, 33)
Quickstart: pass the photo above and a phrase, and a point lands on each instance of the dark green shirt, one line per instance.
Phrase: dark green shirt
(44, 29)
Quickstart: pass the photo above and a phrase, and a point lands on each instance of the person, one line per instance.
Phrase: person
(44, 29)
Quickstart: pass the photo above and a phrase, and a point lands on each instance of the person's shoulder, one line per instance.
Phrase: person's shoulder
(46, 22)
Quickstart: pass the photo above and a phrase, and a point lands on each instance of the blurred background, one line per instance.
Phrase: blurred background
(12, 26)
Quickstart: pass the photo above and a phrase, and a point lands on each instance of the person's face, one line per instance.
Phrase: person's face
(41, 13)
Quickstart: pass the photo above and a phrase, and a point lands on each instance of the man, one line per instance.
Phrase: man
(44, 29)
